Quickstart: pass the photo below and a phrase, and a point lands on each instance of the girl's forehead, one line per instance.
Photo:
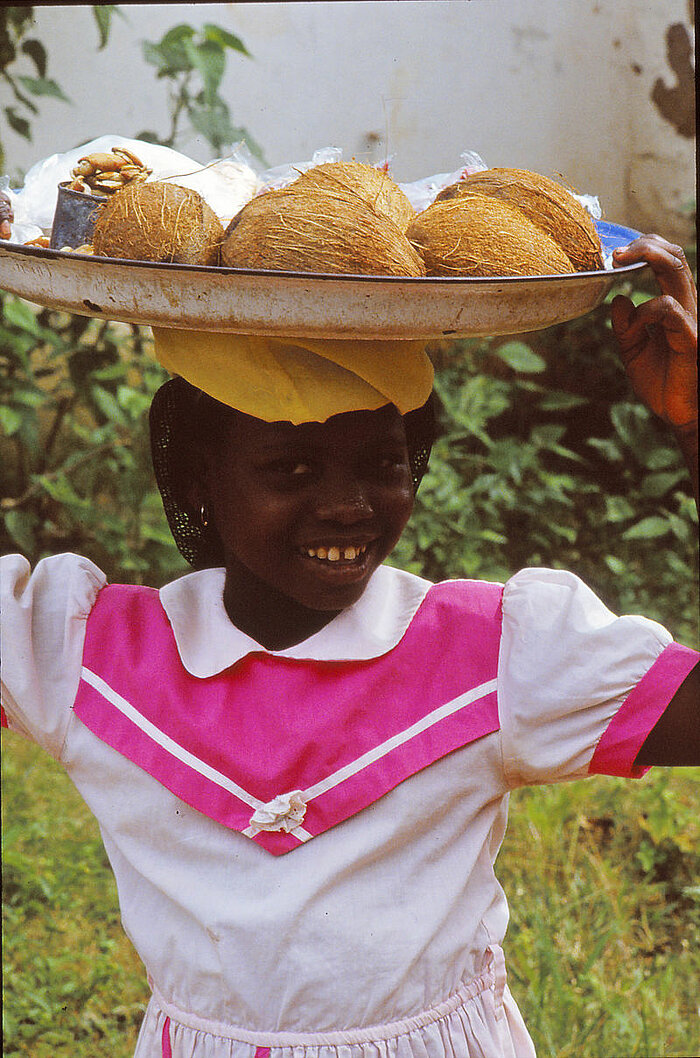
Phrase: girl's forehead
(349, 427)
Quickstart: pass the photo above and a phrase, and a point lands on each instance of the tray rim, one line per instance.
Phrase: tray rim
(338, 278)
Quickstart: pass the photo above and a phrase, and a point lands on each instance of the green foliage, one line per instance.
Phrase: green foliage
(193, 65)
(72, 983)
(76, 468)
(15, 23)
(605, 916)
(546, 458)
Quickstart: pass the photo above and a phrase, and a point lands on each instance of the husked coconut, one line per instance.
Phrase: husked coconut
(373, 185)
(311, 230)
(546, 203)
(478, 235)
(158, 221)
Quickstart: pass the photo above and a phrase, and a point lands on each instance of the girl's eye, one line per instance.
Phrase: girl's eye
(290, 467)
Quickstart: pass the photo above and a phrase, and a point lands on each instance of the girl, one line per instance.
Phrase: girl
(300, 758)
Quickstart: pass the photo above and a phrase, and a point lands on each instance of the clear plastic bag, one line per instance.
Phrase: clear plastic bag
(225, 184)
(422, 193)
(283, 175)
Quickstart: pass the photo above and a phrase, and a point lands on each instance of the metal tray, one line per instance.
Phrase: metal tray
(301, 304)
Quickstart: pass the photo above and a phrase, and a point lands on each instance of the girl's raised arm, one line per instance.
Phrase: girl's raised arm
(658, 345)
(658, 341)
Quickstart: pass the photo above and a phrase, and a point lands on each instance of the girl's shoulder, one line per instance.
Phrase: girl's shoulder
(66, 582)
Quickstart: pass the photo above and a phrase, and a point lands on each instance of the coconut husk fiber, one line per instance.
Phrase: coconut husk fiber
(309, 230)
(478, 235)
(544, 202)
(373, 185)
(158, 221)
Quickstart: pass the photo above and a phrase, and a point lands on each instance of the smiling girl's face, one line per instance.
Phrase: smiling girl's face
(306, 514)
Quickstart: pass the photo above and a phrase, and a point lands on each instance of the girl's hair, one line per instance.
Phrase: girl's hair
(184, 421)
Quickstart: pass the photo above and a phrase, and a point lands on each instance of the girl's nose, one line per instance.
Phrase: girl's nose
(344, 499)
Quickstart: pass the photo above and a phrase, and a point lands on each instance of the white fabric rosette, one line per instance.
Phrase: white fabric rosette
(284, 812)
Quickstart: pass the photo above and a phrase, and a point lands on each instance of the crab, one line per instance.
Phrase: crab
(106, 173)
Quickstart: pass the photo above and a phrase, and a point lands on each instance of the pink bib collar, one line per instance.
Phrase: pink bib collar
(282, 748)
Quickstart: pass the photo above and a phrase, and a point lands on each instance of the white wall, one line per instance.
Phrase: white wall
(557, 86)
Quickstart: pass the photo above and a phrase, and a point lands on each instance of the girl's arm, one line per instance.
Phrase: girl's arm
(658, 341)
(658, 346)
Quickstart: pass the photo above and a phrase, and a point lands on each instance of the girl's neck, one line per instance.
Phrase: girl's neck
(266, 615)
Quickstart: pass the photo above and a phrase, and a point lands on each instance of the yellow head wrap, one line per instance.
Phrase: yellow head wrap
(298, 379)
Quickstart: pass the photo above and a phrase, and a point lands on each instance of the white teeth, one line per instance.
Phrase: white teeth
(335, 553)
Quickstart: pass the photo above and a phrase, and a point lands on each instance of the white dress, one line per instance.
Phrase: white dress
(381, 937)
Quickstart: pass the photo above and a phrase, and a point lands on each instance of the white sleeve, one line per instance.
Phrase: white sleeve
(566, 666)
(43, 618)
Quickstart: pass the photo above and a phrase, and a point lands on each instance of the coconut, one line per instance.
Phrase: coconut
(158, 222)
(547, 204)
(312, 230)
(373, 185)
(478, 235)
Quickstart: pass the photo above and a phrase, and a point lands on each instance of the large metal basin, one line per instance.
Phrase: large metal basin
(296, 304)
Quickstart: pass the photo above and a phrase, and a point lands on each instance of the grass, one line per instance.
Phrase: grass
(602, 949)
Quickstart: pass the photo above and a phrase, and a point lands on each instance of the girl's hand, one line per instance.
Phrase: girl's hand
(658, 340)
(6, 216)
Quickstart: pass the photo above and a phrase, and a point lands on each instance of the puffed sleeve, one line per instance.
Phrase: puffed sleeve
(579, 689)
(43, 616)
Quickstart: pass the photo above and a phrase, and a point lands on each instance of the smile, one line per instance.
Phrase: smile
(335, 553)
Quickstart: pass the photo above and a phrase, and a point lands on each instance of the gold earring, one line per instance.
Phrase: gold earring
(204, 515)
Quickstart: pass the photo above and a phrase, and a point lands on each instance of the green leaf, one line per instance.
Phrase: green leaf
(618, 509)
(610, 449)
(103, 17)
(107, 404)
(648, 529)
(177, 35)
(170, 55)
(32, 398)
(657, 485)
(615, 565)
(21, 526)
(558, 401)
(521, 357)
(629, 419)
(19, 124)
(10, 420)
(212, 121)
(224, 38)
(43, 86)
(37, 53)
(61, 490)
(19, 313)
(133, 401)
(209, 60)
(107, 374)
(661, 458)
